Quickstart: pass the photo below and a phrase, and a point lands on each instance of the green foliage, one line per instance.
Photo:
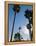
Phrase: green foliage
(17, 36)
(29, 15)
(28, 26)
(16, 8)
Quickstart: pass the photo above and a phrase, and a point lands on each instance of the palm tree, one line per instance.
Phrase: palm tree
(19, 31)
(28, 15)
(16, 9)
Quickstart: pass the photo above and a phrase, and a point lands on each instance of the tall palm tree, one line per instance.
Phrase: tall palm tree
(28, 15)
(16, 9)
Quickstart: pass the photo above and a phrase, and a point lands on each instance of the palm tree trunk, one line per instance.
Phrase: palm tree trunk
(30, 34)
(13, 27)
(30, 29)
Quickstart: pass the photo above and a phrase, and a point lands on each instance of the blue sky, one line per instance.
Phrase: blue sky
(20, 20)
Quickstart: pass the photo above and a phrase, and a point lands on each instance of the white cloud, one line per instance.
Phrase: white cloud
(25, 33)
